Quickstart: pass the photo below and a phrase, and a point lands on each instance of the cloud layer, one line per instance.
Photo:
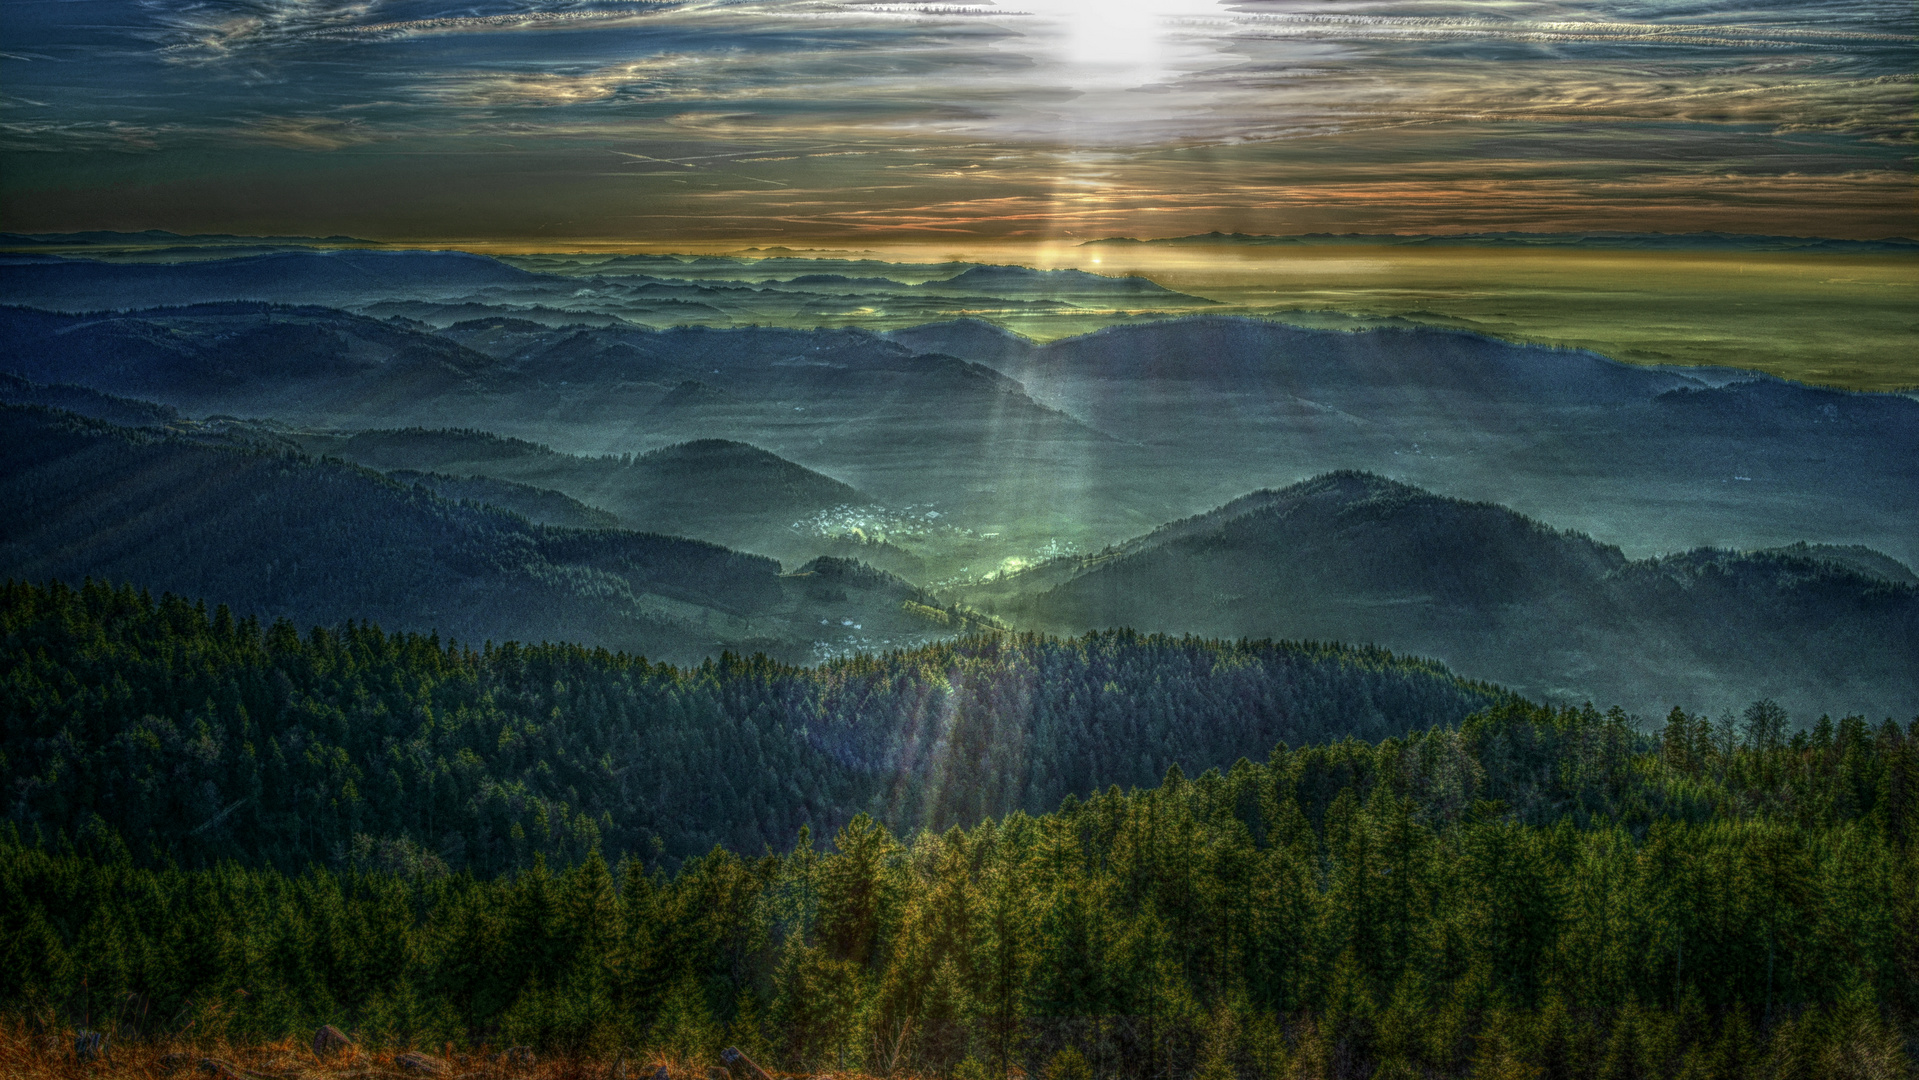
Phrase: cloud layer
(824, 119)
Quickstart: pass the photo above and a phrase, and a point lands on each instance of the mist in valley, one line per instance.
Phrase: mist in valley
(997, 482)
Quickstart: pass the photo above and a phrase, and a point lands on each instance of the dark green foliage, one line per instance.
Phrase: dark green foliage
(15, 390)
(200, 737)
(540, 505)
(1529, 893)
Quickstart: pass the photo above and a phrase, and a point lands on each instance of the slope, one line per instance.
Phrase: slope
(1649, 459)
(112, 409)
(291, 277)
(327, 736)
(271, 532)
(542, 506)
(1354, 557)
(713, 489)
(291, 362)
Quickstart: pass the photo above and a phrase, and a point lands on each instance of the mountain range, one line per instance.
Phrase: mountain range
(272, 533)
(1651, 459)
(1553, 614)
(1728, 532)
(713, 489)
(1602, 241)
(293, 277)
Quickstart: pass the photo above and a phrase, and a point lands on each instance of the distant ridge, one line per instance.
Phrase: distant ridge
(1353, 556)
(110, 238)
(718, 490)
(279, 533)
(109, 408)
(1021, 279)
(270, 530)
(299, 277)
(1599, 241)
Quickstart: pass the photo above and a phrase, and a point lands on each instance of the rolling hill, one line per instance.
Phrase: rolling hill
(250, 358)
(713, 489)
(1355, 557)
(542, 506)
(559, 749)
(271, 532)
(130, 412)
(1650, 459)
(287, 277)
(1020, 281)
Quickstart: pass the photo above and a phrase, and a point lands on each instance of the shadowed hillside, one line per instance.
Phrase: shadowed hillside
(560, 749)
(287, 277)
(541, 506)
(130, 412)
(271, 532)
(1355, 557)
(713, 489)
(248, 358)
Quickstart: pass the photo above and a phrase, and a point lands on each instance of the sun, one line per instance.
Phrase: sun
(1117, 42)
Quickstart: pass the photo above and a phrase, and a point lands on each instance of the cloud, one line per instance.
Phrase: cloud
(1031, 114)
(49, 136)
(306, 132)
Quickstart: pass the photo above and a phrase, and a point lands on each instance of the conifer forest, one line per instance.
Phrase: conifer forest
(1001, 856)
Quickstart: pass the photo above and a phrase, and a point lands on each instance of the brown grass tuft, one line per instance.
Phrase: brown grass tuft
(25, 1053)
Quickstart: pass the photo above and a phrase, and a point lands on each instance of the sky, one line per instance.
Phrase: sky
(548, 122)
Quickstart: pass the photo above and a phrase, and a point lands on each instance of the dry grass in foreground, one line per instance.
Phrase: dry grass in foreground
(27, 1054)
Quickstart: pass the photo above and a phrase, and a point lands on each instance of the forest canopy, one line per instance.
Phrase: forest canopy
(1478, 886)
(1533, 892)
(201, 738)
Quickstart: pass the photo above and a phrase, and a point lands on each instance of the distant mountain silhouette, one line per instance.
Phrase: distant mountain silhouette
(1018, 280)
(244, 356)
(436, 315)
(163, 238)
(1771, 407)
(1613, 241)
(1072, 444)
(1496, 595)
(973, 339)
(842, 280)
(1235, 354)
(295, 277)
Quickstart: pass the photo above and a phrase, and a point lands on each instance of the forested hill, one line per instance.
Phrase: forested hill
(1533, 893)
(1353, 556)
(200, 738)
(731, 493)
(130, 412)
(273, 532)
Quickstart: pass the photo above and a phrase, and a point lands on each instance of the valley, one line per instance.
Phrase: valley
(990, 479)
